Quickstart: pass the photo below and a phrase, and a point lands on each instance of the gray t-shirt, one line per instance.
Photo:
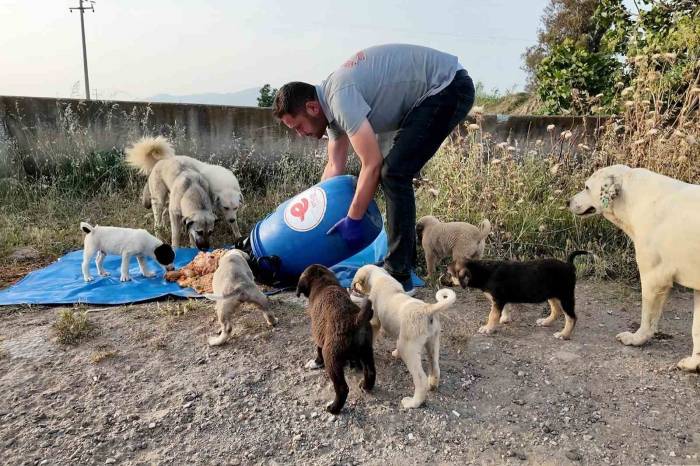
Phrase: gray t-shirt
(383, 84)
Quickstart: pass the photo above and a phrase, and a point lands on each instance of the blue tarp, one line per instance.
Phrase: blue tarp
(372, 254)
(62, 282)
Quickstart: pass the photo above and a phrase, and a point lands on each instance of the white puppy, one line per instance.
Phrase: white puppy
(233, 285)
(414, 324)
(660, 215)
(125, 242)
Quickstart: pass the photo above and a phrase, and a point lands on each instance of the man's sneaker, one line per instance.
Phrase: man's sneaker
(408, 286)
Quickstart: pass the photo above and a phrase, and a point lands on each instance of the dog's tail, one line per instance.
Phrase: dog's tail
(573, 255)
(365, 314)
(147, 152)
(484, 229)
(86, 227)
(445, 298)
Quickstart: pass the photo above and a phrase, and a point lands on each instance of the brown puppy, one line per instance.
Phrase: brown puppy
(340, 330)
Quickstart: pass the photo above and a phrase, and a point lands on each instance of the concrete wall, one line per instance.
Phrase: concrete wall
(199, 129)
(212, 131)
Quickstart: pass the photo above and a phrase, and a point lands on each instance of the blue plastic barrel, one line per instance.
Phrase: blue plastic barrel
(296, 231)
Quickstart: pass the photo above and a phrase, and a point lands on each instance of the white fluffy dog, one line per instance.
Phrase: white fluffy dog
(233, 285)
(414, 323)
(223, 184)
(125, 242)
(661, 216)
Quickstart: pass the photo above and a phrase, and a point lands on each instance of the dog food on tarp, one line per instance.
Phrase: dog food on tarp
(199, 273)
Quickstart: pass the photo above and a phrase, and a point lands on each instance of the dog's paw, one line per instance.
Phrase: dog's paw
(87, 279)
(124, 278)
(561, 336)
(505, 319)
(396, 353)
(410, 403)
(312, 364)
(486, 330)
(104, 273)
(271, 320)
(631, 339)
(433, 382)
(690, 364)
(543, 322)
(149, 274)
(365, 387)
(333, 408)
(217, 340)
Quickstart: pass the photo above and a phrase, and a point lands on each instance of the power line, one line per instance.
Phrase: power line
(82, 9)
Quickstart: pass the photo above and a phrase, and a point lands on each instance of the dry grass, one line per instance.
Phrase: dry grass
(522, 186)
(101, 355)
(182, 308)
(72, 326)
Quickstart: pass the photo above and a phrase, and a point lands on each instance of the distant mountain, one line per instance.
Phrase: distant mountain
(246, 97)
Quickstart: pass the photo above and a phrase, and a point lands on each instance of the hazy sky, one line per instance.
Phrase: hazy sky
(140, 48)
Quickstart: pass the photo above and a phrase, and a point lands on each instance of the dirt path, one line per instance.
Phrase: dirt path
(146, 389)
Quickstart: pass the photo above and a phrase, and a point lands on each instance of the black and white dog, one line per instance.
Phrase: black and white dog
(125, 242)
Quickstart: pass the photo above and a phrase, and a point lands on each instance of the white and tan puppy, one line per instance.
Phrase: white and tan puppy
(413, 323)
(223, 184)
(661, 216)
(125, 242)
(233, 285)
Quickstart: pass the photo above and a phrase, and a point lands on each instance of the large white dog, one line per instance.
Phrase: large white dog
(662, 217)
(223, 184)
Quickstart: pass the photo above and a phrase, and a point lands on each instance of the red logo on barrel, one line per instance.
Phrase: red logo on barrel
(299, 209)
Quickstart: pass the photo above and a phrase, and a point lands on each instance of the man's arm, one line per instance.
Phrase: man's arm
(337, 157)
(366, 146)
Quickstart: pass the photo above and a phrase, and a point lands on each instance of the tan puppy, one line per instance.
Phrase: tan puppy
(660, 215)
(414, 324)
(459, 240)
(233, 285)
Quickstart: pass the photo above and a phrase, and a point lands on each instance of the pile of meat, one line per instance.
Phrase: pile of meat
(199, 273)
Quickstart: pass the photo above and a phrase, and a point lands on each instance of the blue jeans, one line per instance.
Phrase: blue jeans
(419, 137)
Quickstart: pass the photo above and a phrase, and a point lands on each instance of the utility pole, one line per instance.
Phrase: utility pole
(82, 29)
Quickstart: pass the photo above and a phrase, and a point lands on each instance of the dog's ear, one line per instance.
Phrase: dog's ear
(359, 282)
(303, 285)
(464, 275)
(217, 201)
(609, 190)
(419, 231)
(244, 254)
(187, 222)
(459, 273)
(240, 199)
(164, 254)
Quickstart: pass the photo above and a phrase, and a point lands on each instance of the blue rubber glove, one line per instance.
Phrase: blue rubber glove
(350, 230)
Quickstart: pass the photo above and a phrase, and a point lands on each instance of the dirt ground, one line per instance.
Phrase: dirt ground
(146, 389)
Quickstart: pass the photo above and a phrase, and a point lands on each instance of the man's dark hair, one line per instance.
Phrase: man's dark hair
(292, 97)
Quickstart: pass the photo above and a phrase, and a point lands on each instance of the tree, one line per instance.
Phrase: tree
(561, 20)
(267, 96)
(578, 58)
